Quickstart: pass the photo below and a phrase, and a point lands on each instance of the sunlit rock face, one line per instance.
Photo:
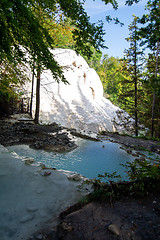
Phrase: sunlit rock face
(79, 104)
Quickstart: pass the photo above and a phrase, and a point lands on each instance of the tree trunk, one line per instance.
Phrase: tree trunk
(135, 87)
(36, 120)
(31, 103)
(154, 94)
(136, 117)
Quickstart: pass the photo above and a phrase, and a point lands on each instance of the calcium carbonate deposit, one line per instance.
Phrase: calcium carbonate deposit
(79, 104)
(31, 198)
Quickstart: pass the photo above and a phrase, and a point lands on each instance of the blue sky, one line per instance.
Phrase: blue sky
(115, 34)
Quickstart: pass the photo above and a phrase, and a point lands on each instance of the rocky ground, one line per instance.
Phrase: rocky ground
(127, 218)
(132, 142)
(57, 138)
(124, 219)
(48, 137)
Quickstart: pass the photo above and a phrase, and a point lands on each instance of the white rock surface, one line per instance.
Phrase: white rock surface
(28, 200)
(79, 104)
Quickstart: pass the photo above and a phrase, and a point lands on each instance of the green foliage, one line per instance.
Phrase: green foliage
(22, 31)
(30, 29)
(150, 33)
(115, 78)
(108, 177)
(142, 169)
(134, 58)
(132, 82)
(94, 60)
(108, 73)
(144, 178)
(149, 85)
(33, 28)
(142, 136)
(12, 78)
(130, 2)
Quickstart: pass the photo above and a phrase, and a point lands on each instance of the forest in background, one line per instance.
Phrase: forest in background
(132, 83)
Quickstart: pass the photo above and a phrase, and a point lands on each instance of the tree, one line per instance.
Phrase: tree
(148, 86)
(134, 58)
(12, 77)
(20, 27)
(60, 30)
(151, 38)
(109, 73)
(38, 95)
(155, 88)
(31, 100)
(23, 35)
(115, 79)
(95, 60)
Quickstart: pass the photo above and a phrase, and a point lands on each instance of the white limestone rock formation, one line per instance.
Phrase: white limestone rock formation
(79, 104)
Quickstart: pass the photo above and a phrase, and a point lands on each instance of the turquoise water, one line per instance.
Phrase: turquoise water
(89, 159)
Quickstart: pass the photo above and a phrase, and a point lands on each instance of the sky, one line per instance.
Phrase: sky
(115, 34)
